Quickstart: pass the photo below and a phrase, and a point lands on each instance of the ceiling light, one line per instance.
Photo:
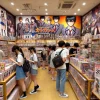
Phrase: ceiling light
(46, 13)
(17, 9)
(45, 4)
(78, 10)
(46, 9)
(75, 13)
(21, 13)
(12, 3)
(84, 4)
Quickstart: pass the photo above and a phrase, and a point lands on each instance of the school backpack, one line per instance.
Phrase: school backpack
(26, 66)
(57, 60)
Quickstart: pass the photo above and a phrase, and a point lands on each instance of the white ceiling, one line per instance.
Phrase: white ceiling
(52, 7)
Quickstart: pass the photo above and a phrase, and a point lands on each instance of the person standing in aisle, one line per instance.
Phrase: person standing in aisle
(44, 56)
(73, 51)
(20, 74)
(51, 63)
(61, 71)
(34, 68)
(67, 45)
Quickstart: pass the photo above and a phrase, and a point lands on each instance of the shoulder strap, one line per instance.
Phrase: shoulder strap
(61, 52)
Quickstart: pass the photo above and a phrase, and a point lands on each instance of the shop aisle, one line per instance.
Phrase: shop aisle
(47, 89)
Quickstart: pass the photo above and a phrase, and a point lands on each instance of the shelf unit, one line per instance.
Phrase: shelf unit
(5, 95)
(96, 94)
(89, 82)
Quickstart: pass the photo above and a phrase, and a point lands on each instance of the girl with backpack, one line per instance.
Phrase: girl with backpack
(34, 68)
(20, 74)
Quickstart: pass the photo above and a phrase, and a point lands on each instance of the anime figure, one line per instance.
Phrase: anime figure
(42, 21)
(71, 30)
(33, 25)
(95, 27)
(10, 28)
(20, 27)
(49, 23)
(3, 24)
(26, 26)
(57, 27)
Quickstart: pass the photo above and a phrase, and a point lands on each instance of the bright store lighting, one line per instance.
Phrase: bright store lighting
(75, 13)
(17, 9)
(84, 4)
(46, 9)
(21, 13)
(78, 10)
(45, 4)
(12, 3)
(46, 13)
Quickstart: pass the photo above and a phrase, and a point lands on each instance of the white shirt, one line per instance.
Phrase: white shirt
(52, 56)
(34, 58)
(20, 58)
(1, 55)
(63, 55)
(67, 54)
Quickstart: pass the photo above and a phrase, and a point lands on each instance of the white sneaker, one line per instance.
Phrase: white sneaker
(33, 92)
(22, 97)
(64, 95)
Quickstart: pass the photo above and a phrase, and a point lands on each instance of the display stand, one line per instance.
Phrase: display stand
(78, 89)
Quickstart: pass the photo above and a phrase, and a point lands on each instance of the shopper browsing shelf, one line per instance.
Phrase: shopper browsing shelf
(67, 45)
(34, 68)
(20, 75)
(85, 52)
(73, 50)
(44, 56)
(61, 71)
(51, 63)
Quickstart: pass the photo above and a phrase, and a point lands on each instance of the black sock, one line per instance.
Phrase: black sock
(24, 93)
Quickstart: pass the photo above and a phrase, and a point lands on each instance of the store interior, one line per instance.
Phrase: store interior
(36, 23)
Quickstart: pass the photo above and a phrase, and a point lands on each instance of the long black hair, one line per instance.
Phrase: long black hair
(15, 47)
(32, 48)
(35, 20)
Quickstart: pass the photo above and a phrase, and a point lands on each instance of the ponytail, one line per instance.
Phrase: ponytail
(21, 52)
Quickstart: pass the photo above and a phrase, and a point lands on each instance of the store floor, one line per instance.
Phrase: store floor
(47, 89)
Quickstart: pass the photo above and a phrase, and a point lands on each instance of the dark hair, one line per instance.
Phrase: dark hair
(53, 47)
(76, 45)
(56, 17)
(42, 17)
(70, 18)
(35, 20)
(45, 46)
(15, 47)
(67, 44)
(32, 48)
(20, 18)
(49, 46)
(86, 46)
(61, 43)
(27, 19)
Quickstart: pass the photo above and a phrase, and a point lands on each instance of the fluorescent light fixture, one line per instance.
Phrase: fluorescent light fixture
(46, 9)
(75, 13)
(21, 13)
(45, 4)
(12, 3)
(17, 9)
(78, 10)
(46, 13)
(84, 4)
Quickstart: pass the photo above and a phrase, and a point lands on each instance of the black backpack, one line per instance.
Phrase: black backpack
(57, 60)
(26, 65)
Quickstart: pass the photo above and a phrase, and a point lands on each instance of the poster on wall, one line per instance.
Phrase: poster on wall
(48, 27)
(10, 26)
(3, 23)
(91, 22)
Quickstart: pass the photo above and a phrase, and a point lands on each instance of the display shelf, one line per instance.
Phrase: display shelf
(96, 94)
(95, 39)
(78, 85)
(74, 91)
(82, 73)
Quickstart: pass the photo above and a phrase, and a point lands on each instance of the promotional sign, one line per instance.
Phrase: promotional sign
(48, 27)
(91, 22)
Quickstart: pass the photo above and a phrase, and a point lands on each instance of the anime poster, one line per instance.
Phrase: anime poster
(3, 23)
(48, 27)
(91, 22)
(10, 25)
